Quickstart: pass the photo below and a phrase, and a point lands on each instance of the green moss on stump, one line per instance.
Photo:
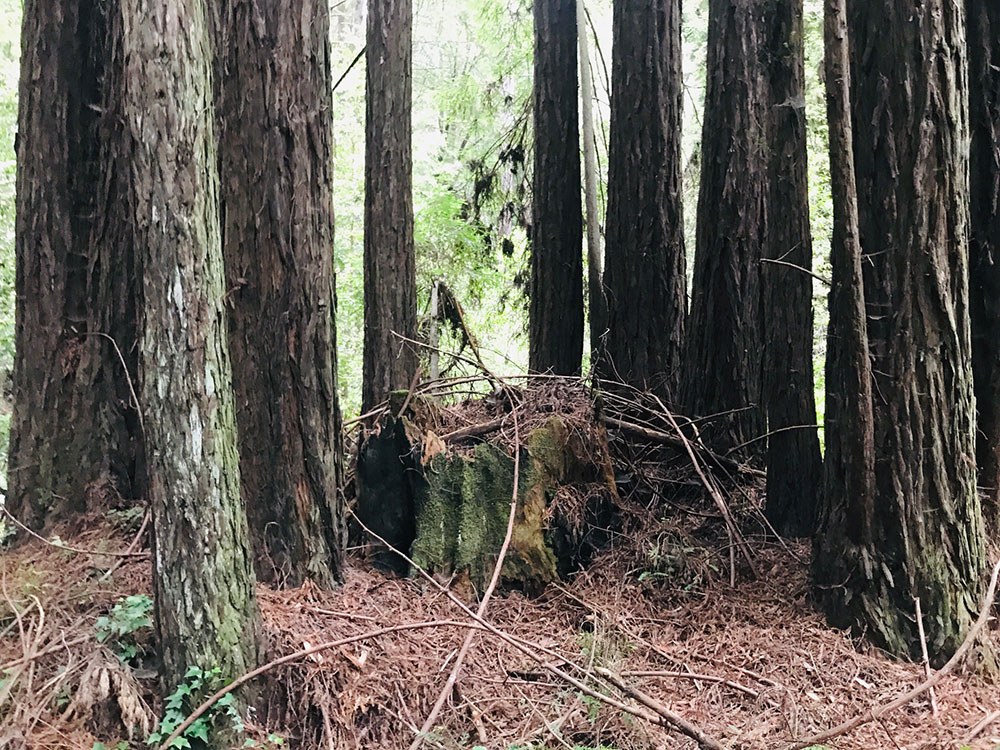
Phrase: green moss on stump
(464, 502)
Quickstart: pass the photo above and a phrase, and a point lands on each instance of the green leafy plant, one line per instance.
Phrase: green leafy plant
(189, 694)
(129, 615)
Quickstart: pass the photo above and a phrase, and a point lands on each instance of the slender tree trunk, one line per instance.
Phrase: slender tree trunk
(555, 310)
(846, 520)
(645, 277)
(203, 575)
(984, 89)
(723, 374)
(75, 432)
(597, 311)
(390, 275)
(273, 92)
(794, 465)
(911, 154)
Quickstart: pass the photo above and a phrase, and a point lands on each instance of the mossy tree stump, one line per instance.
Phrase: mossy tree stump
(451, 507)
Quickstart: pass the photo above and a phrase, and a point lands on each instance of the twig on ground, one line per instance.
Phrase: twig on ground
(879, 711)
(245, 678)
(923, 652)
(530, 650)
(980, 727)
(693, 676)
(128, 550)
(66, 547)
(678, 722)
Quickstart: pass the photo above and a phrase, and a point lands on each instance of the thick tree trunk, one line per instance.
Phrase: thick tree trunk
(794, 465)
(597, 311)
(273, 85)
(645, 265)
(723, 363)
(911, 152)
(202, 569)
(555, 310)
(984, 90)
(846, 518)
(75, 433)
(390, 275)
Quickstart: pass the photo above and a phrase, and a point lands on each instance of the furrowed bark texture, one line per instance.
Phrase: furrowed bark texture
(273, 93)
(846, 522)
(202, 569)
(910, 113)
(794, 465)
(390, 275)
(75, 437)
(555, 310)
(645, 278)
(984, 98)
(723, 374)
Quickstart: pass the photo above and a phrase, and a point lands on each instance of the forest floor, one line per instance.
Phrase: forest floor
(674, 617)
(754, 666)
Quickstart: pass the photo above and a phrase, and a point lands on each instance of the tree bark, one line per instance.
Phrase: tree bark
(597, 310)
(390, 275)
(273, 94)
(984, 97)
(645, 264)
(911, 152)
(75, 431)
(846, 519)
(555, 310)
(723, 361)
(202, 570)
(794, 465)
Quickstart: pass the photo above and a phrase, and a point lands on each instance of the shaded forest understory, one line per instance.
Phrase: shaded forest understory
(673, 611)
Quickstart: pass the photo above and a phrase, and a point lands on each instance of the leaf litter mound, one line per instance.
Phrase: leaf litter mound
(668, 611)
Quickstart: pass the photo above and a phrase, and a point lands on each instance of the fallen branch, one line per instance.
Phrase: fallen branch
(295, 656)
(679, 722)
(530, 650)
(665, 438)
(694, 677)
(474, 430)
(981, 726)
(735, 535)
(878, 712)
(66, 547)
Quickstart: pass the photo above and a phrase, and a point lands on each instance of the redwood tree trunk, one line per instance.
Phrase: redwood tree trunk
(644, 277)
(794, 465)
(723, 362)
(984, 97)
(273, 92)
(75, 437)
(390, 275)
(846, 518)
(911, 152)
(202, 568)
(555, 312)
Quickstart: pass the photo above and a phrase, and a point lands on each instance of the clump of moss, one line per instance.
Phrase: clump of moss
(464, 503)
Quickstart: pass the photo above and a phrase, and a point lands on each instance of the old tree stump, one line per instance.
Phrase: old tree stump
(443, 495)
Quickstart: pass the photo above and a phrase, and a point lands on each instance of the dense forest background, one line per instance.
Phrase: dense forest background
(471, 103)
